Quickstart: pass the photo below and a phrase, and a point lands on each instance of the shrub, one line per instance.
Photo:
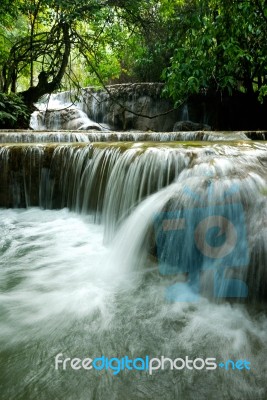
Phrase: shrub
(13, 112)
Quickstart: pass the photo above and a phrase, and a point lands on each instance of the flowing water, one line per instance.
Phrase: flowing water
(61, 112)
(127, 136)
(81, 273)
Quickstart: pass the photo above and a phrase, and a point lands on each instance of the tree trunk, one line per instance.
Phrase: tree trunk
(32, 94)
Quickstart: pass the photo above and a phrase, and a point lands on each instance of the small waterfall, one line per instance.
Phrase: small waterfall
(185, 113)
(88, 178)
(184, 227)
(136, 176)
(47, 137)
(37, 121)
(129, 136)
(118, 107)
(109, 181)
(59, 112)
(235, 188)
(117, 166)
(32, 164)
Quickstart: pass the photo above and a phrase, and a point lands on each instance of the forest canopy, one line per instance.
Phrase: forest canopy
(191, 45)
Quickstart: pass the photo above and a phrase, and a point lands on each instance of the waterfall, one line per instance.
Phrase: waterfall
(60, 112)
(109, 181)
(118, 107)
(128, 136)
(86, 176)
(185, 113)
(234, 188)
(132, 244)
(90, 177)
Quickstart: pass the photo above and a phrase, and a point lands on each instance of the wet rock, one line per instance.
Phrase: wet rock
(187, 126)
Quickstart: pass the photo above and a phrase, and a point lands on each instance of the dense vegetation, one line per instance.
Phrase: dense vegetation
(194, 46)
(13, 111)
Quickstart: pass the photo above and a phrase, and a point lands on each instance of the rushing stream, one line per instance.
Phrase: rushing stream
(86, 233)
(63, 292)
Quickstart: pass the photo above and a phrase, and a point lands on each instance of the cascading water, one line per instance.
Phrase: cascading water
(118, 107)
(57, 112)
(63, 291)
(129, 136)
(185, 113)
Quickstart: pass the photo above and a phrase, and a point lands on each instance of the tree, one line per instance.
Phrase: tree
(192, 45)
(58, 31)
(220, 45)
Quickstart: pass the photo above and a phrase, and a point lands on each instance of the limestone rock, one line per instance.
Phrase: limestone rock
(187, 126)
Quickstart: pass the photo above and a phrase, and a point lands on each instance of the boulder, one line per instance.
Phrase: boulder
(188, 126)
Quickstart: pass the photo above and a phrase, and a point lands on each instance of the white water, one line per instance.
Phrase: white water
(45, 255)
(129, 136)
(57, 112)
(61, 290)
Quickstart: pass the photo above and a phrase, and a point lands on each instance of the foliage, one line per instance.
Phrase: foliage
(13, 111)
(59, 38)
(219, 45)
(192, 45)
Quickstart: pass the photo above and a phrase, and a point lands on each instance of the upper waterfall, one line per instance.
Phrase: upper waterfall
(119, 107)
(124, 107)
(59, 112)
